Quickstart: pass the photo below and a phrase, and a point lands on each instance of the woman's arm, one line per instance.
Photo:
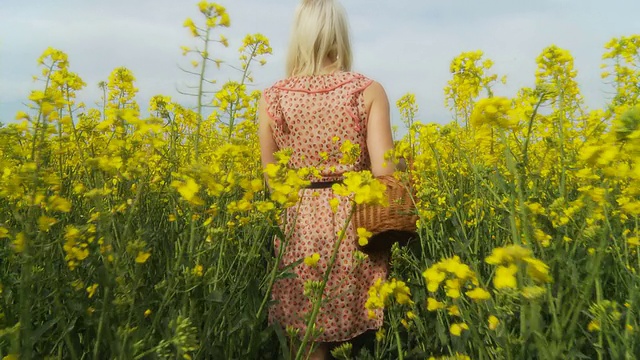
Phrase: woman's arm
(379, 138)
(265, 134)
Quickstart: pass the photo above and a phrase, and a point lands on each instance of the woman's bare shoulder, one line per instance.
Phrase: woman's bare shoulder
(374, 92)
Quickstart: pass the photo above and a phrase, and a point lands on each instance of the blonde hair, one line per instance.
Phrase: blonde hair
(320, 31)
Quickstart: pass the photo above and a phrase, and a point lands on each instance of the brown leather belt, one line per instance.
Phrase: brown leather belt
(323, 184)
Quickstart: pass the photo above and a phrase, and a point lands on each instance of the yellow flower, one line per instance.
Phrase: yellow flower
(312, 261)
(493, 322)
(452, 288)
(371, 314)
(198, 270)
(594, 325)
(91, 290)
(456, 329)
(188, 190)
(538, 270)
(453, 310)
(478, 294)
(265, 206)
(533, 292)
(334, 202)
(271, 170)
(380, 335)
(147, 313)
(401, 292)
(225, 20)
(142, 257)
(19, 242)
(433, 304)
(364, 188)
(363, 236)
(4, 233)
(433, 277)
(508, 254)
(45, 223)
(543, 238)
(493, 111)
(505, 277)
(350, 152)
(188, 23)
(56, 203)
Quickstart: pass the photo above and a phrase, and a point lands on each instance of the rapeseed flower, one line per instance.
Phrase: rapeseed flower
(453, 310)
(381, 291)
(505, 277)
(537, 270)
(507, 255)
(19, 243)
(493, 111)
(533, 292)
(493, 322)
(363, 236)
(350, 152)
(433, 304)
(312, 260)
(363, 187)
(91, 290)
(142, 257)
(478, 294)
(458, 328)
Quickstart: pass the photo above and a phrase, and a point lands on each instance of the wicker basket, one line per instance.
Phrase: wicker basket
(389, 224)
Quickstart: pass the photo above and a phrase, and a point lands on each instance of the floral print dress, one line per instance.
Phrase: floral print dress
(314, 116)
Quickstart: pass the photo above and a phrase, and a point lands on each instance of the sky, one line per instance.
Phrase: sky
(406, 45)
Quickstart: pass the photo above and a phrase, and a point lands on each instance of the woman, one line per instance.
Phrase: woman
(320, 105)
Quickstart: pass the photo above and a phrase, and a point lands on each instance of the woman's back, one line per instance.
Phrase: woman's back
(315, 115)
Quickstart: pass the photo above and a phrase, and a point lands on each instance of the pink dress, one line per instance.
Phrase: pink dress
(308, 113)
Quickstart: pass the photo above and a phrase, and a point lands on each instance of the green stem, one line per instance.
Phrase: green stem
(203, 67)
(318, 302)
(399, 344)
(96, 345)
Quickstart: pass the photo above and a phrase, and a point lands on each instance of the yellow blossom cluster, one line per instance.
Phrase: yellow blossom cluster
(470, 75)
(455, 275)
(509, 259)
(350, 152)
(494, 111)
(362, 187)
(75, 246)
(383, 291)
(363, 236)
(286, 183)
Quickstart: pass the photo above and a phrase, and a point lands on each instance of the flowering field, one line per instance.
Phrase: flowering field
(126, 237)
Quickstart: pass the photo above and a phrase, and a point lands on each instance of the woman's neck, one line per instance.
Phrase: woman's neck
(329, 66)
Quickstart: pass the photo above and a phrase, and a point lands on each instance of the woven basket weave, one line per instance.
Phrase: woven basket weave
(388, 223)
